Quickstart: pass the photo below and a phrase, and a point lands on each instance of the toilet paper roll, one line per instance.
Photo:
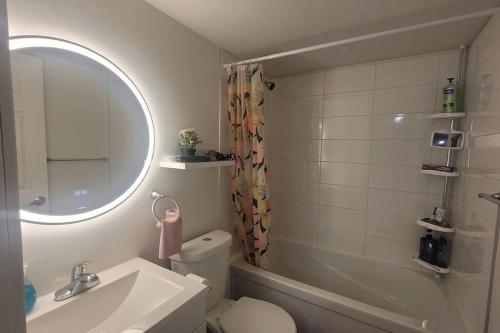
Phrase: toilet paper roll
(200, 280)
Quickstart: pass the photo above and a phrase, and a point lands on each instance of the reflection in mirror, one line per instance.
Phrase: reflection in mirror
(82, 135)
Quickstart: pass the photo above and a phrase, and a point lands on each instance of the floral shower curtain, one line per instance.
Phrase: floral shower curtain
(250, 191)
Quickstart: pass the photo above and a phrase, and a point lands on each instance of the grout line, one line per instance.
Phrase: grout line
(289, 160)
(321, 156)
(355, 187)
(373, 139)
(370, 154)
(361, 115)
(394, 239)
(374, 89)
(406, 241)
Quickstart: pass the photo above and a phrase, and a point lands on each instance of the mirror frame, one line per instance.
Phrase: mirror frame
(21, 42)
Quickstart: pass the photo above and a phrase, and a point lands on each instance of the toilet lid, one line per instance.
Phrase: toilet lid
(250, 315)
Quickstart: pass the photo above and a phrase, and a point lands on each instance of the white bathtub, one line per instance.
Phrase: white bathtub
(327, 291)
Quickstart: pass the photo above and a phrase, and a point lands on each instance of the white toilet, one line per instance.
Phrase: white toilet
(208, 257)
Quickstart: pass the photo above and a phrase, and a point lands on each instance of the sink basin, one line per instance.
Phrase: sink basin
(136, 296)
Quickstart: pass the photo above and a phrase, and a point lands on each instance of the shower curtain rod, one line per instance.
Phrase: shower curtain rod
(350, 40)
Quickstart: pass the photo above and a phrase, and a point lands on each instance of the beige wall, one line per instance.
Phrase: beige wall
(178, 74)
(11, 293)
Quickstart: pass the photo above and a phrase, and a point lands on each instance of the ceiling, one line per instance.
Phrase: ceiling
(254, 28)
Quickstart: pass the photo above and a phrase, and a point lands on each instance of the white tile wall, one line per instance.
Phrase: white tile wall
(303, 107)
(402, 126)
(408, 72)
(302, 128)
(306, 150)
(274, 128)
(346, 241)
(299, 211)
(274, 109)
(342, 218)
(350, 79)
(302, 85)
(397, 202)
(357, 127)
(405, 99)
(273, 148)
(472, 252)
(344, 174)
(390, 250)
(349, 104)
(299, 191)
(400, 152)
(353, 151)
(300, 170)
(295, 230)
(402, 228)
(343, 196)
(400, 178)
(347, 149)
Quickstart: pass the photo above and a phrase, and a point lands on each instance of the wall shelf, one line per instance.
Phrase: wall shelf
(447, 115)
(435, 227)
(439, 173)
(170, 164)
(434, 268)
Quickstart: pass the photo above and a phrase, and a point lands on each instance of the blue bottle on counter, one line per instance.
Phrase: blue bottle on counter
(29, 293)
(428, 248)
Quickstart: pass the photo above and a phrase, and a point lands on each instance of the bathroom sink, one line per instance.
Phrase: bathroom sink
(136, 296)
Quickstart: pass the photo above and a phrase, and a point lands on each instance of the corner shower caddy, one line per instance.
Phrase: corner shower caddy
(454, 117)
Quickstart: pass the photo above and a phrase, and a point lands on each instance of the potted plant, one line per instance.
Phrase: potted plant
(188, 140)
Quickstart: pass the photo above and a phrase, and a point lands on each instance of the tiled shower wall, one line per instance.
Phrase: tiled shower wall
(479, 163)
(345, 147)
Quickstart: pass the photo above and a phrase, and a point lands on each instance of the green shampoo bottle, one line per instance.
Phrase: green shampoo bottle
(450, 96)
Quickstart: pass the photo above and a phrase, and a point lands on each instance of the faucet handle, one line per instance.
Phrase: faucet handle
(79, 269)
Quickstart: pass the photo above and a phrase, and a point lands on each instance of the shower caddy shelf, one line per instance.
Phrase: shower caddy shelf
(453, 117)
(440, 173)
(436, 269)
(447, 115)
(435, 227)
(429, 226)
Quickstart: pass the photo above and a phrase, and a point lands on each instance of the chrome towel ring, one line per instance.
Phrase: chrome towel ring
(155, 195)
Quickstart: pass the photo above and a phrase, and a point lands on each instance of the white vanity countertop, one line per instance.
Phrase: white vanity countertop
(136, 294)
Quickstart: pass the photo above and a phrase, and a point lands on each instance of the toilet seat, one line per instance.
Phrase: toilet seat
(249, 315)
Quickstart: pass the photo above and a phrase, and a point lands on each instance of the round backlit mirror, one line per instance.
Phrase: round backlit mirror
(84, 132)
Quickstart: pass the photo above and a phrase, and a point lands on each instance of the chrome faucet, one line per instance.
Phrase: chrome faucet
(80, 281)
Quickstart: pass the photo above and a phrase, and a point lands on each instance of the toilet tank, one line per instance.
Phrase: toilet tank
(208, 257)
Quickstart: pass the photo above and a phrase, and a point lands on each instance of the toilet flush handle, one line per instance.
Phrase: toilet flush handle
(201, 280)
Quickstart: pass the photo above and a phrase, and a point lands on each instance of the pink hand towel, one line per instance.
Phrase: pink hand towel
(171, 234)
